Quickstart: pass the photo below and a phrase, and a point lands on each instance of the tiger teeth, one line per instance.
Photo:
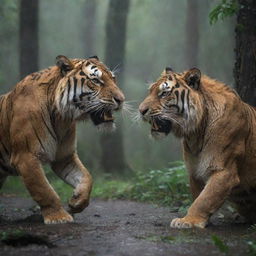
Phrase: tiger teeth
(107, 116)
(154, 125)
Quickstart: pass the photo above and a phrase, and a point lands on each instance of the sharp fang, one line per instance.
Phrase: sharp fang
(107, 116)
(154, 125)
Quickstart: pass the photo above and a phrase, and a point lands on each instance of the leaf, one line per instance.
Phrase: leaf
(226, 8)
(220, 244)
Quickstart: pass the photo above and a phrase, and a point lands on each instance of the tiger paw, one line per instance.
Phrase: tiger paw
(77, 203)
(56, 217)
(188, 222)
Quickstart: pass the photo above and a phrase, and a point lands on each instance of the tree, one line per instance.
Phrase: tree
(245, 51)
(113, 159)
(28, 37)
(192, 33)
(89, 12)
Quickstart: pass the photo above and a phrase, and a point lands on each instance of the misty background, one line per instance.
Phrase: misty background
(158, 34)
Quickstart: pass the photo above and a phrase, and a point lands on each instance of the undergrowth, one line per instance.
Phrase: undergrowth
(167, 187)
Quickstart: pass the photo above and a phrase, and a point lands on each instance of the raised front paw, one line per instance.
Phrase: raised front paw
(77, 203)
(56, 216)
(188, 222)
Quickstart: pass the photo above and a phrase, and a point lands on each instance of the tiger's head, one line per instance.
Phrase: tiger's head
(174, 103)
(88, 87)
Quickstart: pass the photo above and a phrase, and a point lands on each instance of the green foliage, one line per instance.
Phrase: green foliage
(252, 248)
(168, 187)
(220, 244)
(110, 189)
(4, 235)
(226, 8)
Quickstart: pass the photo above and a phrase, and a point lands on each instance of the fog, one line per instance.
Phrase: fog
(157, 36)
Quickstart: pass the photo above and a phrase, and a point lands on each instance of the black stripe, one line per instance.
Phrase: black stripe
(175, 106)
(188, 98)
(37, 136)
(182, 96)
(48, 128)
(84, 94)
(5, 148)
(69, 85)
(93, 67)
(75, 85)
(82, 82)
(27, 144)
(82, 73)
(177, 95)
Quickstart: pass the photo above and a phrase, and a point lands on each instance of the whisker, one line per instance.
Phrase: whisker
(116, 69)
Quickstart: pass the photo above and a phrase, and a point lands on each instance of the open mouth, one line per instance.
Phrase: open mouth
(102, 117)
(160, 125)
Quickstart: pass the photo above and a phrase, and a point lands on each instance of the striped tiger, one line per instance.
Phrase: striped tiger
(38, 123)
(218, 137)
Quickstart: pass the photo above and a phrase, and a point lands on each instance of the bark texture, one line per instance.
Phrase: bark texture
(113, 157)
(28, 37)
(245, 51)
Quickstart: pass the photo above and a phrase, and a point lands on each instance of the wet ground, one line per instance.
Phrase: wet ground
(111, 228)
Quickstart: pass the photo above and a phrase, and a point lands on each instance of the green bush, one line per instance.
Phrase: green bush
(168, 187)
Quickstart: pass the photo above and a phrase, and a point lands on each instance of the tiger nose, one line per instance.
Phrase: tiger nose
(119, 99)
(143, 109)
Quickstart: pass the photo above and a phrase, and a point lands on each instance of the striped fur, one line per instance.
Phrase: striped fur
(218, 132)
(37, 125)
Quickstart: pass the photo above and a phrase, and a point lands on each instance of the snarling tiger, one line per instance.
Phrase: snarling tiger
(218, 132)
(38, 123)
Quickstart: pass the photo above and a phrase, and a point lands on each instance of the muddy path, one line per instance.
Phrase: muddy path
(111, 228)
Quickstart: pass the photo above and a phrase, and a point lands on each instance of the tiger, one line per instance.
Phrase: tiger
(38, 126)
(218, 134)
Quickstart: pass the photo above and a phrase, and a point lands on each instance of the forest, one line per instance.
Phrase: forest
(136, 39)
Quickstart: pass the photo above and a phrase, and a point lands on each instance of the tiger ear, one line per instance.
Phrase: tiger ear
(64, 64)
(166, 71)
(94, 57)
(193, 77)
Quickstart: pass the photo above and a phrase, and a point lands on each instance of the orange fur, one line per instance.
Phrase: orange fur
(38, 122)
(219, 144)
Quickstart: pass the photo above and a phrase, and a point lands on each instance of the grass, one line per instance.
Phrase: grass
(168, 187)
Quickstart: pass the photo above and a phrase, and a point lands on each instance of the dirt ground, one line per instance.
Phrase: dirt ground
(111, 228)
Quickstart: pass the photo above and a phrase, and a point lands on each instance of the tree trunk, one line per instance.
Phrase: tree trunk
(89, 12)
(113, 158)
(28, 40)
(192, 33)
(245, 51)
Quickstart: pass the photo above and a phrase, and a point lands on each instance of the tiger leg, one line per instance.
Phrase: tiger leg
(32, 174)
(195, 187)
(217, 189)
(72, 171)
